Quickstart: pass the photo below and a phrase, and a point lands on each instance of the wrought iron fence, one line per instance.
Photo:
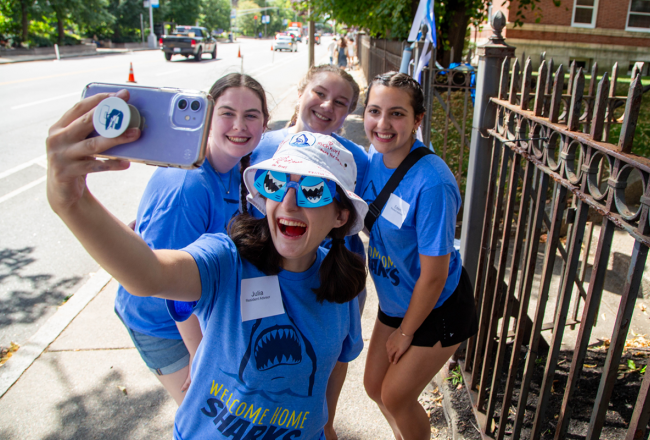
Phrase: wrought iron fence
(378, 56)
(452, 89)
(550, 148)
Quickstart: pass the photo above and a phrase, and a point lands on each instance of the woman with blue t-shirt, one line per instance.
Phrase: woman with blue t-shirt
(278, 311)
(177, 207)
(426, 303)
(326, 96)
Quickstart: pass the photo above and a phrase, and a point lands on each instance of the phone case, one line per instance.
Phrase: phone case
(173, 134)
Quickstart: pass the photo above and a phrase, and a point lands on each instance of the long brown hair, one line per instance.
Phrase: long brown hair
(342, 272)
(326, 68)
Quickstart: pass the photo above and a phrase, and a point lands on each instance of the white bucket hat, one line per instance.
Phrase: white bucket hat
(311, 154)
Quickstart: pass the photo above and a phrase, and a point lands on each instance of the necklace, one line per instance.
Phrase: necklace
(229, 181)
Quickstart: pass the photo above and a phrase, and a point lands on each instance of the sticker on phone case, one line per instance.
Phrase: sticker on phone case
(396, 210)
(260, 297)
(113, 116)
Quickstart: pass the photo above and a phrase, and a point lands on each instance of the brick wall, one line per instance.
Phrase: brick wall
(612, 14)
(548, 12)
(577, 38)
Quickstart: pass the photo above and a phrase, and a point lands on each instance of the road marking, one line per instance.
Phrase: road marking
(168, 73)
(22, 189)
(46, 100)
(9, 172)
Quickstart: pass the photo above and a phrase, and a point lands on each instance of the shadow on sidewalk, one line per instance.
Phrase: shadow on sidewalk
(30, 297)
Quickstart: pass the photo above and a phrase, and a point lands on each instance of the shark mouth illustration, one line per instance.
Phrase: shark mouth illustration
(314, 193)
(271, 184)
(277, 345)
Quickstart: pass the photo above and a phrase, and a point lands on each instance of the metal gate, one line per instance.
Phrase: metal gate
(550, 149)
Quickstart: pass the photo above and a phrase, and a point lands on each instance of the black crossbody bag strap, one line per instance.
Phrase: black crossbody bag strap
(374, 209)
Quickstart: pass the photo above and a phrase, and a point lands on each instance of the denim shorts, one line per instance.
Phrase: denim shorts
(162, 356)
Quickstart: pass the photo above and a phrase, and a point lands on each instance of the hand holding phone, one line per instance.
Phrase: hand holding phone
(175, 124)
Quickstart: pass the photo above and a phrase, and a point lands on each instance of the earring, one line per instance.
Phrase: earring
(413, 132)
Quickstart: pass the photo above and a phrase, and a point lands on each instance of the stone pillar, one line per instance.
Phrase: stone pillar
(491, 56)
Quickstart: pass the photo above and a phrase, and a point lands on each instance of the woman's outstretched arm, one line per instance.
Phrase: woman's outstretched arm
(119, 250)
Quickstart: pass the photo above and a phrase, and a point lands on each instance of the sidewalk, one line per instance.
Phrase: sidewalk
(90, 383)
(10, 59)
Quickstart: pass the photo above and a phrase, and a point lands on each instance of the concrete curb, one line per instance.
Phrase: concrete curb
(28, 353)
(448, 410)
(28, 58)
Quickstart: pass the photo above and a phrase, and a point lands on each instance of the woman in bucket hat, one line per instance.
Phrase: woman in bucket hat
(326, 96)
(276, 309)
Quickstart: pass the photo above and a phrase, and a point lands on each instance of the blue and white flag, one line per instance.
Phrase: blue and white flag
(424, 15)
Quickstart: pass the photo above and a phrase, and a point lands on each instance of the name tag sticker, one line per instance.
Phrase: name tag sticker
(260, 297)
(395, 210)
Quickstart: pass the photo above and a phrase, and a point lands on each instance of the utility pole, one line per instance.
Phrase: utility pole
(152, 40)
(311, 39)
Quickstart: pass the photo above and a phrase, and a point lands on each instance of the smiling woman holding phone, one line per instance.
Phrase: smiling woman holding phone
(177, 207)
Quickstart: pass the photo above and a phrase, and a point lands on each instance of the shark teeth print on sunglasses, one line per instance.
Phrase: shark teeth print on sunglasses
(311, 191)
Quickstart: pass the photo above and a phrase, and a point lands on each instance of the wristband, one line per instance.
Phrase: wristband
(402, 333)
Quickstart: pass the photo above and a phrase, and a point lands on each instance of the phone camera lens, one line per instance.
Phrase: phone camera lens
(182, 104)
(195, 105)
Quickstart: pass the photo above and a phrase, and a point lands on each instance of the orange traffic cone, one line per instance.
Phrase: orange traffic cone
(131, 77)
(271, 47)
(239, 52)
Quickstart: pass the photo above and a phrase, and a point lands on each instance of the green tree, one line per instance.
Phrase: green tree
(283, 11)
(83, 13)
(126, 26)
(215, 14)
(392, 18)
(182, 12)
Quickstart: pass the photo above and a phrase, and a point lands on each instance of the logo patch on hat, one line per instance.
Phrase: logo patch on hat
(302, 140)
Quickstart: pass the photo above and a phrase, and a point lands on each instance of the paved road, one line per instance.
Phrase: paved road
(40, 262)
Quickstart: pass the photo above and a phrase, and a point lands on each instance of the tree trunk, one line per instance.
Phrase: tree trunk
(24, 20)
(59, 24)
(457, 27)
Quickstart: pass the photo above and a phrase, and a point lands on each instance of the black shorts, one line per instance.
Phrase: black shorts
(451, 323)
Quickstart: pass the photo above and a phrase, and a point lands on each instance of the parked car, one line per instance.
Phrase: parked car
(285, 43)
(189, 41)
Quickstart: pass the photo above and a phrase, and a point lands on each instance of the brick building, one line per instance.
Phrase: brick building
(587, 31)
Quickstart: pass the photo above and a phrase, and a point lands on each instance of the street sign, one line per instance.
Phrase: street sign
(233, 13)
(284, 22)
(266, 19)
(154, 3)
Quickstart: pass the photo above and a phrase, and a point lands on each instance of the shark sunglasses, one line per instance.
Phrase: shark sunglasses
(311, 191)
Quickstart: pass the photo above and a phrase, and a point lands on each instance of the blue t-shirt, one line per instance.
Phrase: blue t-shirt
(432, 201)
(177, 207)
(268, 146)
(266, 377)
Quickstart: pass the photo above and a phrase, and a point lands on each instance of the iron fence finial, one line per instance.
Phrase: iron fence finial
(498, 23)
